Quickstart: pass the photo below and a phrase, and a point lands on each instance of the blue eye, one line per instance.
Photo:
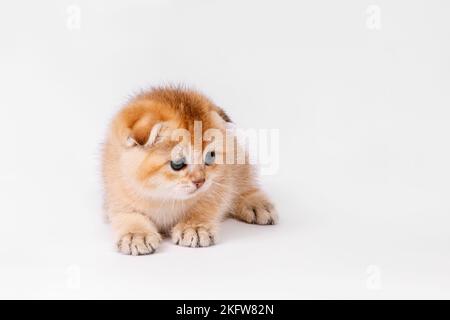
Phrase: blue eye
(210, 157)
(178, 164)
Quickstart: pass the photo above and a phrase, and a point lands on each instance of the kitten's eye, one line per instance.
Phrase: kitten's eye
(178, 164)
(210, 157)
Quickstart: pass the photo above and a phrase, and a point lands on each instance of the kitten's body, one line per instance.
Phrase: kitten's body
(145, 197)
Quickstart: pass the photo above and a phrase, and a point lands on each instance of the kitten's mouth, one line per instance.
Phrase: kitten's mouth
(204, 186)
(195, 189)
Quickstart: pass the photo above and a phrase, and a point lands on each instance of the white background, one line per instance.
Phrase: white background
(362, 108)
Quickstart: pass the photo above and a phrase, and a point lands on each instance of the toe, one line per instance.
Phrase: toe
(139, 247)
(262, 216)
(248, 215)
(152, 241)
(124, 244)
(189, 238)
(205, 238)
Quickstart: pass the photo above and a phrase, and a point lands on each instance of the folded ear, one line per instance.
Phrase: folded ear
(218, 120)
(223, 114)
(154, 134)
(144, 132)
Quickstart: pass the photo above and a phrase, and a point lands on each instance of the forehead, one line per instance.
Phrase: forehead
(189, 149)
(163, 149)
(195, 132)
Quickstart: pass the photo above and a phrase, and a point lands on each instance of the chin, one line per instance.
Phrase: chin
(188, 195)
(185, 196)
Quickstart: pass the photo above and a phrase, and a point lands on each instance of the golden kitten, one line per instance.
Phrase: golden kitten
(156, 184)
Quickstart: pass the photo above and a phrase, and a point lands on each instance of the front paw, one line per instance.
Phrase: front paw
(191, 235)
(257, 209)
(138, 243)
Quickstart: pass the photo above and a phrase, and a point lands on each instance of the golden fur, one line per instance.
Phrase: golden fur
(145, 197)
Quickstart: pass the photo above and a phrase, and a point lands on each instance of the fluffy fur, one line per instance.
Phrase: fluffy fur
(145, 198)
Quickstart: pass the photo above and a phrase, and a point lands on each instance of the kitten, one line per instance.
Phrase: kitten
(156, 184)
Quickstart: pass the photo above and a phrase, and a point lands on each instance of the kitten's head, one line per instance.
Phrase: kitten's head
(171, 144)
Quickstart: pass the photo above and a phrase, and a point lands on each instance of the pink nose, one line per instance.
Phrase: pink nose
(198, 182)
